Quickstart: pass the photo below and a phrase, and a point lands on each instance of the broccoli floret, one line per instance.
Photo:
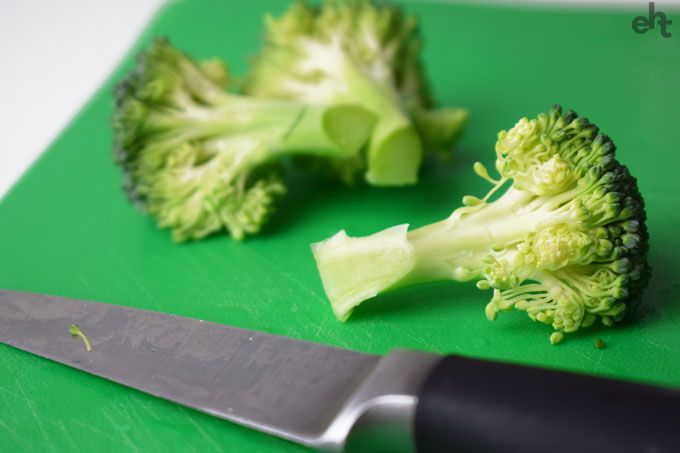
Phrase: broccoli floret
(75, 331)
(566, 242)
(201, 159)
(353, 51)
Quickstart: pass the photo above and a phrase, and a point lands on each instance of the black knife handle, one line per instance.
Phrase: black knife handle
(469, 405)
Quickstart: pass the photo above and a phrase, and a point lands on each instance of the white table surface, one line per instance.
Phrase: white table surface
(54, 54)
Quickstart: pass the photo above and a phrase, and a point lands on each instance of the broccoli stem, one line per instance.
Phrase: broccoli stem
(337, 132)
(285, 128)
(355, 269)
(454, 248)
(446, 252)
(394, 150)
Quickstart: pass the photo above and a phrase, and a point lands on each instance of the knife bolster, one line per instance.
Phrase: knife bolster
(380, 415)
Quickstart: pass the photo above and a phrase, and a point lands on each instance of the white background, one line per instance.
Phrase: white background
(55, 53)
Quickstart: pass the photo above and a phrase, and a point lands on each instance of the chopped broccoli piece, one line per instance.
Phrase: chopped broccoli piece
(75, 331)
(357, 52)
(439, 128)
(201, 159)
(566, 242)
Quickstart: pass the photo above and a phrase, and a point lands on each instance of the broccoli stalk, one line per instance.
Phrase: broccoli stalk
(566, 242)
(355, 52)
(200, 159)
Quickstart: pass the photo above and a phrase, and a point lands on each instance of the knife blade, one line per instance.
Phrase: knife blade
(290, 388)
(336, 399)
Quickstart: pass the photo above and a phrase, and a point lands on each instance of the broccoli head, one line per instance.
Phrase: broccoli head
(201, 159)
(566, 242)
(357, 52)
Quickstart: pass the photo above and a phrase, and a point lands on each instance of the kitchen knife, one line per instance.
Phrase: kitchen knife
(335, 399)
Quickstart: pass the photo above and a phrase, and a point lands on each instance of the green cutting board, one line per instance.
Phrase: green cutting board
(67, 229)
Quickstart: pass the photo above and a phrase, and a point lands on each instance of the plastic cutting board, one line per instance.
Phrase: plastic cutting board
(67, 229)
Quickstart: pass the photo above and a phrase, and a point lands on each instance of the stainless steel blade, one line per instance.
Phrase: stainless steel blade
(290, 388)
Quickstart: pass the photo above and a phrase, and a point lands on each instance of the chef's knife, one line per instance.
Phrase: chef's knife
(336, 399)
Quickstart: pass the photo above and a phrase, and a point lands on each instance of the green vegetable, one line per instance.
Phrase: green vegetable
(566, 242)
(201, 159)
(76, 332)
(357, 52)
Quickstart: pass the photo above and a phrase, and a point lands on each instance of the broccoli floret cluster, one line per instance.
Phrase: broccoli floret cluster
(337, 85)
(586, 257)
(357, 52)
(566, 242)
(201, 159)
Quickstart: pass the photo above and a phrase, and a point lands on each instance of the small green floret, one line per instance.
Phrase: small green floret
(76, 332)
(566, 242)
(365, 53)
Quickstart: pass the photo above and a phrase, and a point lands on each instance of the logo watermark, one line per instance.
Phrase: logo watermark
(642, 24)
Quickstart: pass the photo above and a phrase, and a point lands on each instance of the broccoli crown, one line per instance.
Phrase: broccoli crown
(178, 165)
(201, 159)
(309, 46)
(566, 242)
(586, 255)
(354, 51)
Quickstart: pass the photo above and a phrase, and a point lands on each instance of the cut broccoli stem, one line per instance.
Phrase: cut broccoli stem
(394, 153)
(394, 149)
(337, 132)
(76, 332)
(248, 137)
(452, 249)
(334, 132)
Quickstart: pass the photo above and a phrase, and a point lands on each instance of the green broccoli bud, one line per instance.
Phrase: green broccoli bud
(201, 159)
(356, 52)
(566, 242)
(75, 331)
